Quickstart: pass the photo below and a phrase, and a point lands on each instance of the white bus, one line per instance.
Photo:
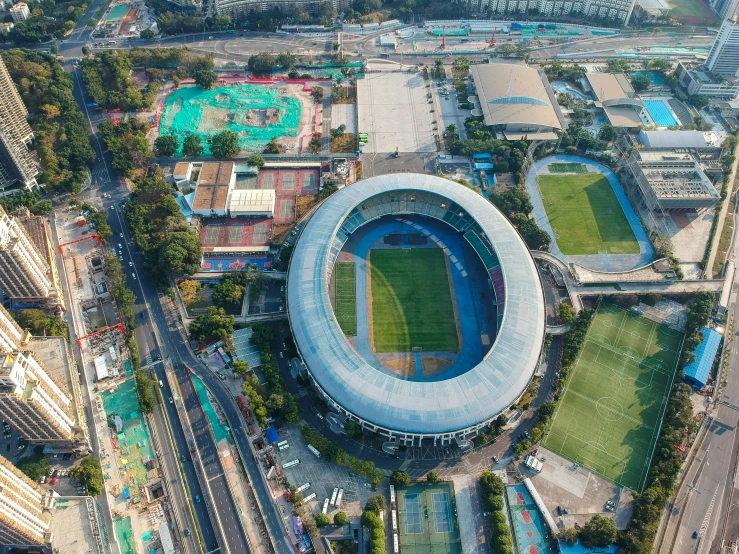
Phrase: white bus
(395, 543)
(314, 450)
(325, 507)
(395, 520)
(333, 496)
(301, 488)
(281, 444)
(338, 498)
(310, 497)
(392, 495)
(291, 463)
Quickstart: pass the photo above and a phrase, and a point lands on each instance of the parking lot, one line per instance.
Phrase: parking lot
(396, 112)
(322, 475)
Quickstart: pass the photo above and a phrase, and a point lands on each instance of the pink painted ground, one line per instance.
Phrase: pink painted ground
(526, 516)
(519, 499)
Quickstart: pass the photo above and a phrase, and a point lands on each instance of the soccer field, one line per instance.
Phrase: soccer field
(567, 168)
(610, 414)
(411, 301)
(346, 297)
(585, 215)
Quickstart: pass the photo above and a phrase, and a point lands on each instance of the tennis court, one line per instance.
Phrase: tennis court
(426, 524)
(346, 297)
(567, 168)
(611, 412)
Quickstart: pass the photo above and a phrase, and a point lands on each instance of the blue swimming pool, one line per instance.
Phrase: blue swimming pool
(660, 113)
(654, 76)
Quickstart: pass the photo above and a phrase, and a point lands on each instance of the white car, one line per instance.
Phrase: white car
(130, 263)
(121, 235)
(133, 275)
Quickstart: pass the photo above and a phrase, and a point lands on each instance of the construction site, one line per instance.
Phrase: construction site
(256, 110)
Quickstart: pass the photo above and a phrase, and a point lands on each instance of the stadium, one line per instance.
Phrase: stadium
(416, 308)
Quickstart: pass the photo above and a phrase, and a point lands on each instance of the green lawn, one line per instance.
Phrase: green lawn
(610, 413)
(411, 301)
(346, 297)
(694, 11)
(567, 168)
(585, 215)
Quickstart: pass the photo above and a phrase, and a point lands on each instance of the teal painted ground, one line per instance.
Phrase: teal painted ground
(192, 110)
(219, 430)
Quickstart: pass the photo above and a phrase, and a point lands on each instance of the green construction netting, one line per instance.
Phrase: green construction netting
(257, 113)
(124, 534)
(133, 441)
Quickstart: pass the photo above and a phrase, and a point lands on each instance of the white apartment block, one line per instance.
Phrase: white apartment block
(725, 9)
(23, 508)
(236, 7)
(12, 337)
(723, 59)
(618, 11)
(32, 402)
(23, 271)
(20, 12)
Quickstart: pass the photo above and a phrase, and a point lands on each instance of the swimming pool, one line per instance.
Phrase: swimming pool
(654, 76)
(118, 12)
(561, 87)
(660, 113)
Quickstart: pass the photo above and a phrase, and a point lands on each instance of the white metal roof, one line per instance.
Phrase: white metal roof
(672, 139)
(385, 400)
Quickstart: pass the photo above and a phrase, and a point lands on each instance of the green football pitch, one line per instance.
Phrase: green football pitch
(411, 301)
(610, 414)
(567, 168)
(346, 297)
(585, 215)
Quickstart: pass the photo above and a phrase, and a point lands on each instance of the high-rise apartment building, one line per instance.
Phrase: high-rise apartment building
(12, 337)
(23, 508)
(16, 160)
(32, 402)
(24, 273)
(617, 11)
(20, 12)
(725, 9)
(723, 59)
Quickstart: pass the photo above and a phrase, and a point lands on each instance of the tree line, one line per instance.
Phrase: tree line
(516, 206)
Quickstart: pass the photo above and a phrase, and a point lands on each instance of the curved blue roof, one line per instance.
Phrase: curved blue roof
(388, 401)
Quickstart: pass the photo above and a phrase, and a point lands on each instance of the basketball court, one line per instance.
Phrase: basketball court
(528, 526)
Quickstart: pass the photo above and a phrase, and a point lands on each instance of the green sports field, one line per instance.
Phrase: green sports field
(585, 215)
(427, 519)
(346, 297)
(567, 168)
(609, 417)
(411, 301)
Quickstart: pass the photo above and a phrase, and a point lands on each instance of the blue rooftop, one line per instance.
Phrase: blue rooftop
(272, 435)
(697, 373)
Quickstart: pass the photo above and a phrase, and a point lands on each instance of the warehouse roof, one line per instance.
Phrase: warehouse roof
(216, 173)
(252, 201)
(384, 399)
(672, 139)
(699, 371)
(513, 94)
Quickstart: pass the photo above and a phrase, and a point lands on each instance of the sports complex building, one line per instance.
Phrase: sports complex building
(437, 257)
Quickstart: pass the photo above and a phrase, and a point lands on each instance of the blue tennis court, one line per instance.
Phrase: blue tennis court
(660, 113)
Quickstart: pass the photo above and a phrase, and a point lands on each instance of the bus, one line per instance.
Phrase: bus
(338, 498)
(333, 496)
(395, 520)
(111, 42)
(396, 544)
(310, 497)
(314, 450)
(301, 488)
(291, 463)
(392, 495)
(325, 507)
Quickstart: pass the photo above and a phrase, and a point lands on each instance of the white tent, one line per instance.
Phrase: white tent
(101, 368)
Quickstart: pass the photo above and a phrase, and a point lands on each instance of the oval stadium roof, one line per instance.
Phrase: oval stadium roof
(385, 400)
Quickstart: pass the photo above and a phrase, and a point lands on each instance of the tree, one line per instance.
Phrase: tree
(145, 390)
(89, 474)
(192, 145)
(314, 145)
(698, 100)
(35, 466)
(261, 64)
(86, 50)
(213, 324)
(92, 22)
(34, 320)
(190, 291)
(461, 67)
(228, 294)
(340, 518)
(352, 429)
(599, 531)
(53, 49)
(338, 132)
(376, 504)
(400, 478)
(566, 313)
(147, 34)
(166, 146)
(255, 160)
(571, 535)
(641, 83)
(273, 147)
(241, 368)
(225, 145)
(286, 60)
(317, 94)
(546, 410)
(206, 78)
(322, 520)
(607, 133)
(432, 477)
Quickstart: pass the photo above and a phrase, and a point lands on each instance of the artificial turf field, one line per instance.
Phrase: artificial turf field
(411, 301)
(346, 297)
(585, 215)
(611, 411)
(567, 168)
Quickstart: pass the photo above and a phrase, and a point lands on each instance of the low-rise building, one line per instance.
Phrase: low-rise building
(697, 79)
(215, 181)
(252, 203)
(672, 180)
(615, 95)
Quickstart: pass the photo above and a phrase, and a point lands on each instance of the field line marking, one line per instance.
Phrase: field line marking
(627, 417)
